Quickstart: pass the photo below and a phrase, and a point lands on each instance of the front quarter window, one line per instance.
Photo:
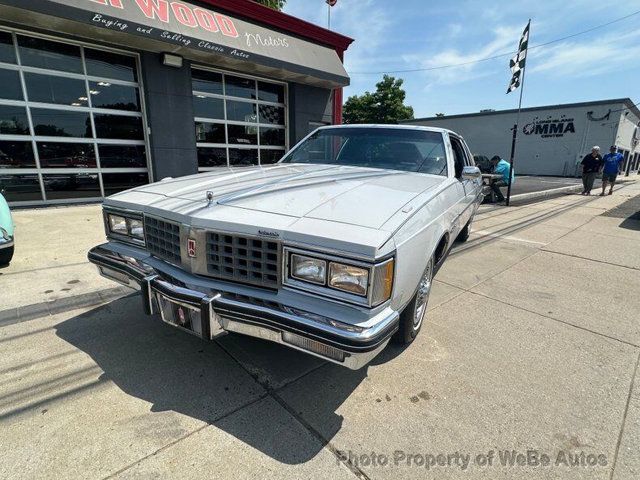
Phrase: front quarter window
(410, 150)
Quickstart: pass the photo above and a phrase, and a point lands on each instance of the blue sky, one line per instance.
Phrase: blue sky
(405, 34)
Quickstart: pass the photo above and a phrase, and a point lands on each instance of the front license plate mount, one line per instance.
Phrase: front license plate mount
(180, 315)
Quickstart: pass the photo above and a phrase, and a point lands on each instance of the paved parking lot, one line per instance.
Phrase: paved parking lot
(532, 344)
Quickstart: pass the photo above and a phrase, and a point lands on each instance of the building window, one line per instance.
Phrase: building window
(72, 126)
(239, 120)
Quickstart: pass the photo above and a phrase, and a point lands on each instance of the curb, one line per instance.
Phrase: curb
(540, 195)
(54, 307)
(546, 193)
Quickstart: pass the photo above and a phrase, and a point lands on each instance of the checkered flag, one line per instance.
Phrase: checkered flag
(269, 114)
(517, 63)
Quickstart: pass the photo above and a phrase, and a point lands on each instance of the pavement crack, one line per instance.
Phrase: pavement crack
(273, 393)
(590, 259)
(564, 322)
(624, 418)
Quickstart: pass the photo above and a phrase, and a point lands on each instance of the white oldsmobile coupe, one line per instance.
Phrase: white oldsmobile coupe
(331, 251)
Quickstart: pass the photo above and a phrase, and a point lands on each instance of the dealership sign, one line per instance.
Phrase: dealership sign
(550, 128)
(189, 26)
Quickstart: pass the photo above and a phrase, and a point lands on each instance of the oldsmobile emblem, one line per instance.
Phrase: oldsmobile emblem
(191, 247)
(268, 233)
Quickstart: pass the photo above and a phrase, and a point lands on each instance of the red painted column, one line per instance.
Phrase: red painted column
(338, 98)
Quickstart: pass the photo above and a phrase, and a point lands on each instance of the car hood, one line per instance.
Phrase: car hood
(328, 199)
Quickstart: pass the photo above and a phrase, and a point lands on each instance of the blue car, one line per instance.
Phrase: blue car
(6, 232)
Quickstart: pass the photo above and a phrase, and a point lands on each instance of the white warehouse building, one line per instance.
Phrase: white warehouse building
(553, 139)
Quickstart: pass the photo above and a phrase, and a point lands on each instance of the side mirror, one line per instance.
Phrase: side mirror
(471, 173)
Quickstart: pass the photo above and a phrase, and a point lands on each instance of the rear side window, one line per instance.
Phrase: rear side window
(460, 157)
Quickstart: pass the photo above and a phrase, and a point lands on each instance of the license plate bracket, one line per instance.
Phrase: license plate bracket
(181, 315)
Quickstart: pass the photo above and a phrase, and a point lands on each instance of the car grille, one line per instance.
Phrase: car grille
(163, 239)
(243, 259)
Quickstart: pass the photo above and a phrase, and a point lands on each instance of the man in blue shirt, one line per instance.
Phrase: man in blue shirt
(612, 162)
(501, 167)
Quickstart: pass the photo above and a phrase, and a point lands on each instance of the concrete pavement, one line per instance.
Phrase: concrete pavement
(532, 343)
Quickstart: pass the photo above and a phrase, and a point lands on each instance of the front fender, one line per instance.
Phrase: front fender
(414, 247)
(6, 222)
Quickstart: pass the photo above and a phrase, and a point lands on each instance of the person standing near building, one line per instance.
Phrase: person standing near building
(501, 167)
(612, 162)
(591, 165)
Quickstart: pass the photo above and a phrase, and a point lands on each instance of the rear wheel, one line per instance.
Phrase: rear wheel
(6, 254)
(412, 316)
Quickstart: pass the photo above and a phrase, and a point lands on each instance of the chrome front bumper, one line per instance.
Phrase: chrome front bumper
(221, 312)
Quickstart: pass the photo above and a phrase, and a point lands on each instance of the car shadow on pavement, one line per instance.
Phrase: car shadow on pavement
(175, 371)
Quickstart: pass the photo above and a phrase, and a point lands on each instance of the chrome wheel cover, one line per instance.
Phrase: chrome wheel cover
(422, 296)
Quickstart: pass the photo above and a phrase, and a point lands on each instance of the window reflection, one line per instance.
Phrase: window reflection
(122, 156)
(241, 111)
(36, 52)
(272, 136)
(212, 157)
(73, 185)
(273, 115)
(53, 89)
(11, 88)
(7, 51)
(270, 156)
(20, 188)
(118, 97)
(270, 92)
(119, 127)
(210, 133)
(247, 135)
(241, 157)
(117, 182)
(61, 123)
(13, 120)
(16, 155)
(206, 107)
(110, 65)
(209, 82)
(69, 155)
(240, 87)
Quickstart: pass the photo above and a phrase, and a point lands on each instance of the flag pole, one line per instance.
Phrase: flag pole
(328, 16)
(514, 139)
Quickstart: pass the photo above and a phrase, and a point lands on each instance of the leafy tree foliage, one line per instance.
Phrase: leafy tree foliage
(385, 105)
(275, 4)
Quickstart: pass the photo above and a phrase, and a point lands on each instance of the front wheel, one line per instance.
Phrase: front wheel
(6, 254)
(412, 316)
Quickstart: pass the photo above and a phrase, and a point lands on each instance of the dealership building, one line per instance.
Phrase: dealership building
(102, 95)
(552, 140)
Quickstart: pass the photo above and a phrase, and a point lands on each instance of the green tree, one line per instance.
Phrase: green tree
(385, 105)
(275, 4)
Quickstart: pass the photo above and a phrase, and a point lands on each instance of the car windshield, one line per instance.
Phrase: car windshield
(409, 150)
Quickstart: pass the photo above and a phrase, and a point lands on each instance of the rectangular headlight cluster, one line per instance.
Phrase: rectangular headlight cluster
(125, 226)
(370, 284)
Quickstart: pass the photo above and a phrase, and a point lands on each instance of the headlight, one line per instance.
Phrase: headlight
(123, 225)
(308, 269)
(358, 282)
(117, 224)
(136, 228)
(348, 278)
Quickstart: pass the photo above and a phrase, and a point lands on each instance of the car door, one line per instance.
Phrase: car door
(459, 197)
(470, 188)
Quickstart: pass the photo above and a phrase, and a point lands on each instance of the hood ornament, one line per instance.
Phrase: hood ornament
(209, 198)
